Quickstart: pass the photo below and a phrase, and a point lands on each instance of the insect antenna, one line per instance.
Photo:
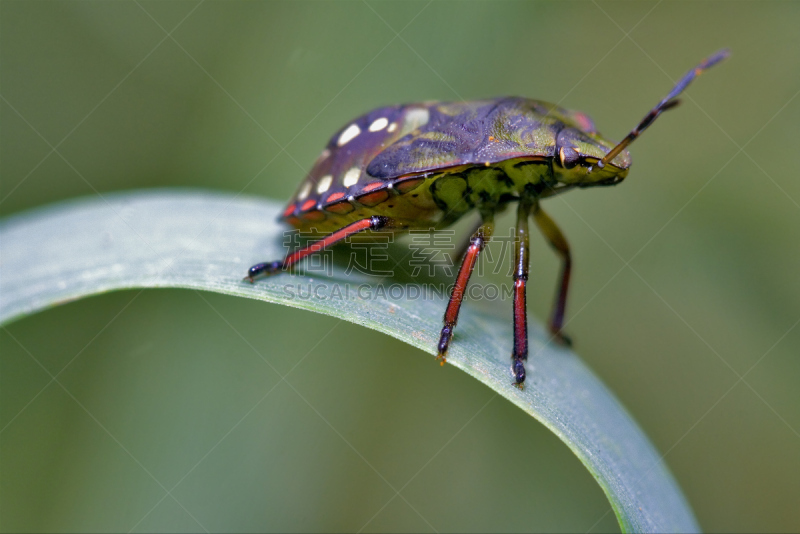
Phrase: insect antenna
(669, 102)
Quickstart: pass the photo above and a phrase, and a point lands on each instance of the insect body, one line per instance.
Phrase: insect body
(425, 165)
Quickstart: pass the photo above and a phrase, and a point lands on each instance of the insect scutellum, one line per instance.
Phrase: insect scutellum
(425, 165)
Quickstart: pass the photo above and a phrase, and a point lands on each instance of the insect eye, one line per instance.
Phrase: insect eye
(566, 151)
(568, 156)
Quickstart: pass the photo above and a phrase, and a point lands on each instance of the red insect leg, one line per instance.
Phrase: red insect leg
(477, 242)
(522, 266)
(376, 222)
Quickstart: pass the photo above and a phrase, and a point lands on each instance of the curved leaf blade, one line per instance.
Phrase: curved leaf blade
(206, 241)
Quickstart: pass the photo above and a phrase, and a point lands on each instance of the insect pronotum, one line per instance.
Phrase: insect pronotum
(420, 166)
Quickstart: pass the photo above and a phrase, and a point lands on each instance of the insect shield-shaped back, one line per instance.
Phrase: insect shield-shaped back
(339, 190)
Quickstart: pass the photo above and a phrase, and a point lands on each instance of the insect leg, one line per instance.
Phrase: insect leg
(376, 222)
(559, 243)
(476, 244)
(521, 266)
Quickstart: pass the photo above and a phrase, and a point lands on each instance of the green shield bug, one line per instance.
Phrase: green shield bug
(421, 166)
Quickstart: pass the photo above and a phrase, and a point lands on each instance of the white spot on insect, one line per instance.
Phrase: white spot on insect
(325, 154)
(351, 177)
(304, 191)
(378, 124)
(392, 127)
(351, 131)
(416, 117)
(324, 184)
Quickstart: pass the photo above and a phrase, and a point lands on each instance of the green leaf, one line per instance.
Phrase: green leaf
(207, 241)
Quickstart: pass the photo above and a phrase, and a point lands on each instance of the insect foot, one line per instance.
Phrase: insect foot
(261, 270)
(561, 338)
(444, 342)
(518, 368)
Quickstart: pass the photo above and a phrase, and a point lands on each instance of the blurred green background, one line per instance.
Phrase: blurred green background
(685, 297)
